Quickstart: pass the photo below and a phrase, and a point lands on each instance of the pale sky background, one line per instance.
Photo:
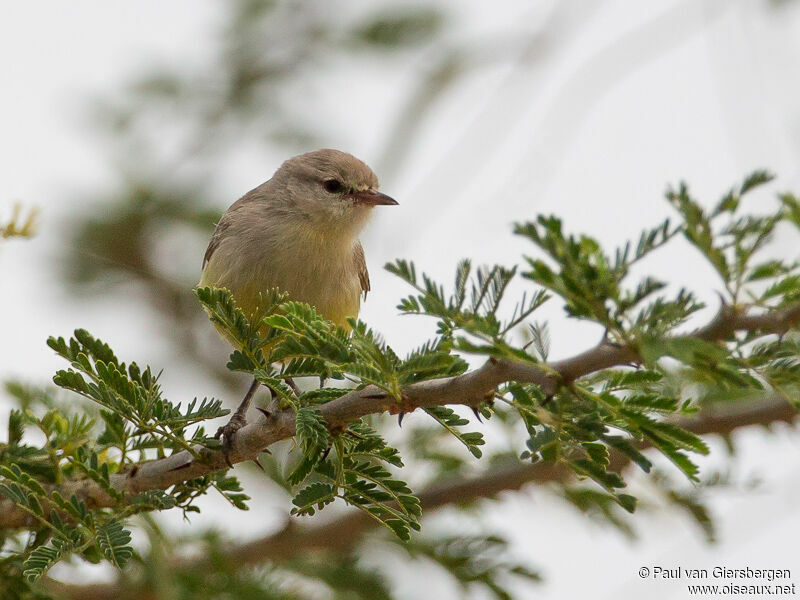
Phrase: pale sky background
(630, 97)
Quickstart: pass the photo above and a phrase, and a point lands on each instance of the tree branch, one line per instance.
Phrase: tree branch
(468, 389)
(342, 534)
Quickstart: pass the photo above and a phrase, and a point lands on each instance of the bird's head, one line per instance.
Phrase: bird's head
(329, 190)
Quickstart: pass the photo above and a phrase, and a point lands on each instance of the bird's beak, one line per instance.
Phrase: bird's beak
(372, 198)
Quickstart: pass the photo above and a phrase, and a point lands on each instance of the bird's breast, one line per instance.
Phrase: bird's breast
(313, 270)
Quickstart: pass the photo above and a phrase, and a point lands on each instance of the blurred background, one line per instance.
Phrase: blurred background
(132, 126)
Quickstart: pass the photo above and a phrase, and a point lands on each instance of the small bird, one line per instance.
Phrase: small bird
(297, 232)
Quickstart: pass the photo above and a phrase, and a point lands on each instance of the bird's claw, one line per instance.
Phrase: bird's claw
(228, 432)
(290, 382)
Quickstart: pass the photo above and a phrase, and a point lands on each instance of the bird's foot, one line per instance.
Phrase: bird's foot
(228, 432)
(290, 382)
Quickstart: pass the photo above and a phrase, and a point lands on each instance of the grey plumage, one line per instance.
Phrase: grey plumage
(298, 232)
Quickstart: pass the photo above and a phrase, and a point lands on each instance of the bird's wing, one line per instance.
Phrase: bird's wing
(221, 232)
(361, 266)
(216, 238)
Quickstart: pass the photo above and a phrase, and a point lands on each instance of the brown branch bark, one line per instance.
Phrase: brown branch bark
(344, 533)
(469, 389)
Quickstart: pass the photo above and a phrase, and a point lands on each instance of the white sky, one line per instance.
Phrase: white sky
(631, 96)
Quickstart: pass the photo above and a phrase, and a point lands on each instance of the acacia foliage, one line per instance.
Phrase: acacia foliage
(579, 424)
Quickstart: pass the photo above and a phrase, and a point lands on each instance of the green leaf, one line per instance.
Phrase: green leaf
(597, 472)
(542, 437)
(315, 495)
(400, 27)
(399, 528)
(16, 427)
(302, 470)
(597, 453)
(755, 179)
(114, 541)
(697, 229)
(767, 270)
(311, 429)
(671, 432)
(229, 488)
(43, 557)
(788, 286)
(628, 449)
(448, 419)
(626, 501)
(688, 350)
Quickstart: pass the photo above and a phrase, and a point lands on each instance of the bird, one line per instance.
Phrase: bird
(297, 232)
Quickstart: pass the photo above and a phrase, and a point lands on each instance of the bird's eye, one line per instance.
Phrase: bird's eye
(333, 186)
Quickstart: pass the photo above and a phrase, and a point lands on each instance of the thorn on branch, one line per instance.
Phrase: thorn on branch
(405, 406)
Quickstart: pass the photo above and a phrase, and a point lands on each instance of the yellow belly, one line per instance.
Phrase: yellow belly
(336, 302)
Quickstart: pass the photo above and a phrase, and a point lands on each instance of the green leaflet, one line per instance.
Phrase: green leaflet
(448, 419)
(313, 498)
(43, 557)
(114, 541)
